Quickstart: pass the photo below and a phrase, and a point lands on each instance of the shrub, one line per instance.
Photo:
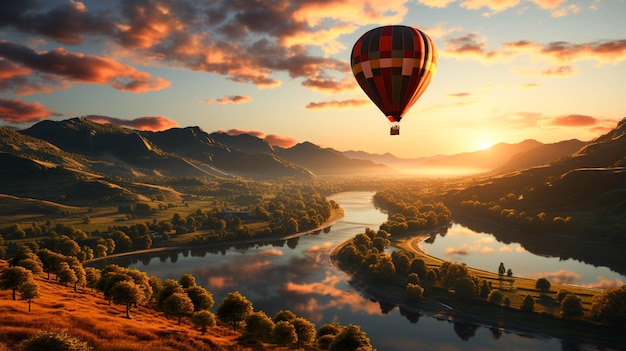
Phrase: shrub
(55, 341)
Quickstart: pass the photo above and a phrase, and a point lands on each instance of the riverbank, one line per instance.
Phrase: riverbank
(540, 323)
(335, 215)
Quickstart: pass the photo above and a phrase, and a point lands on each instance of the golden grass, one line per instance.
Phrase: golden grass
(87, 316)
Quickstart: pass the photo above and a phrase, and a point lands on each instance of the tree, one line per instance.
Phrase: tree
(200, 297)
(92, 275)
(414, 291)
(234, 308)
(484, 289)
(178, 304)
(54, 341)
(571, 307)
(122, 241)
(13, 277)
(305, 330)
(259, 326)
(501, 269)
(170, 287)
(65, 274)
(326, 334)
(284, 315)
(528, 304)
(187, 280)
(496, 297)
(543, 284)
(50, 260)
(610, 306)
(509, 272)
(284, 333)
(464, 288)
(203, 320)
(126, 292)
(29, 290)
(351, 338)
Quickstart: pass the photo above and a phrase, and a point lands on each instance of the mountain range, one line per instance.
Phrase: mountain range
(79, 150)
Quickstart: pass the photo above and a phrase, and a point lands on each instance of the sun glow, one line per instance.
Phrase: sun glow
(485, 144)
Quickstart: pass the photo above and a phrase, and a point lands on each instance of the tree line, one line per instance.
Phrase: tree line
(365, 255)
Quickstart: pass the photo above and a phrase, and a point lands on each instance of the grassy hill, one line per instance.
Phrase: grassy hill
(87, 316)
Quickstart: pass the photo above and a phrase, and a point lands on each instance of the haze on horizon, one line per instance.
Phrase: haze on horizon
(511, 70)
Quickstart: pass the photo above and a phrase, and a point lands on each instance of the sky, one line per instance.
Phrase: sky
(508, 70)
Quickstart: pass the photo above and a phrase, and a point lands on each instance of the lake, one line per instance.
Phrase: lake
(297, 275)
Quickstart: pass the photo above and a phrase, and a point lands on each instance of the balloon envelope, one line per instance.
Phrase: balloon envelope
(394, 65)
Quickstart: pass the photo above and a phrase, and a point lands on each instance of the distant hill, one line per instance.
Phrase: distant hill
(589, 186)
(498, 158)
(541, 155)
(328, 161)
(486, 160)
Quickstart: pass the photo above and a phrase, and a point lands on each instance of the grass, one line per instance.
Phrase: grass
(87, 316)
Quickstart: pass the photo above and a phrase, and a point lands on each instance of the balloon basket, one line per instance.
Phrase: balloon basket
(395, 130)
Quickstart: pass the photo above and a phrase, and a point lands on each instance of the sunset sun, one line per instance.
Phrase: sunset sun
(485, 144)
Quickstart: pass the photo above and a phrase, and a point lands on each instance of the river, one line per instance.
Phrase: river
(297, 275)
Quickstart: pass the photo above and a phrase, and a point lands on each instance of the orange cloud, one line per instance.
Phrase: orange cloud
(330, 85)
(436, 3)
(83, 68)
(469, 46)
(547, 4)
(234, 99)
(611, 51)
(335, 104)
(271, 139)
(492, 5)
(460, 95)
(574, 121)
(560, 277)
(20, 111)
(280, 141)
(560, 71)
(148, 123)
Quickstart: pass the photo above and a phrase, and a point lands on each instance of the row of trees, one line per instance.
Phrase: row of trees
(366, 256)
(499, 212)
(408, 215)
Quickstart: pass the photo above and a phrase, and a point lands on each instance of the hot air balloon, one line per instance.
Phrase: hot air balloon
(394, 65)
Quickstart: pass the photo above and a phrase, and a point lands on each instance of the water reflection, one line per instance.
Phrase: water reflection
(296, 274)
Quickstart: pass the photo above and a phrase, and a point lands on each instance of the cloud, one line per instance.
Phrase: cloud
(492, 5)
(604, 283)
(149, 123)
(459, 95)
(248, 42)
(271, 139)
(66, 23)
(528, 85)
(574, 121)
(468, 46)
(436, 3)
(337, 104)
(559, 277)
(20, 111)
(234, 99)
(78, 67)
(331, 86)
(280, 141)
(562, 52)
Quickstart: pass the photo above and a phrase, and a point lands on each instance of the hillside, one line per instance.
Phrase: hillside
(88, 317)
(561, 208)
